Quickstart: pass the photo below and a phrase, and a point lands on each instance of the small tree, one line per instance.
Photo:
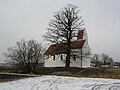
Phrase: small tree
(63, 28)
(106, 59)
(110, 60)
(26, 55)
(96, 61)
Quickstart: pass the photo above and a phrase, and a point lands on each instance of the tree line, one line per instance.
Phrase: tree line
(99, 60)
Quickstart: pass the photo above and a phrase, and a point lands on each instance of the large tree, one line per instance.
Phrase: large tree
(64, 27)
(26, 55)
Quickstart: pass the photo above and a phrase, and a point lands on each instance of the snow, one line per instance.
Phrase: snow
(61, 83)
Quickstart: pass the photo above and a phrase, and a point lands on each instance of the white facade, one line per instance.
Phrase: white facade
(55, 61)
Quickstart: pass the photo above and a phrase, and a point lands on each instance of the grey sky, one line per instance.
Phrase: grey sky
(29, 19)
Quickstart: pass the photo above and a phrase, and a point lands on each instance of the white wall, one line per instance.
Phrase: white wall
(60, 63)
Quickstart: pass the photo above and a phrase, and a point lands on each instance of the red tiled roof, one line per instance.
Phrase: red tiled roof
(55, 49)
(61, 48)
(80, 34)
(77, 44)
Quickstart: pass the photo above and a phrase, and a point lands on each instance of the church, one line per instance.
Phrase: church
(55, 55)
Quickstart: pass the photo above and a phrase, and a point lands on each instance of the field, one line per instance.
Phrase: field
(7, 69)
(73, 72)
(61, 83)
(81, 72)
(60, 79)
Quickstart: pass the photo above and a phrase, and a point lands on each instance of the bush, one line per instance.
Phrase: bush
(62, 73)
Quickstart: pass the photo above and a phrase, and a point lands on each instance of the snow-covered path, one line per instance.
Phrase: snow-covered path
(61, 83)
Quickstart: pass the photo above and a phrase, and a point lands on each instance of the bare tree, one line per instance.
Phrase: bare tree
(63, 28)
(26, 55)
(96, 57)
(102, 59)
(95, 60)
(106, 59)
(110, 60)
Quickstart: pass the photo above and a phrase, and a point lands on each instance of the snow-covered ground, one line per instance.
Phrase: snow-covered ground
(61, 83)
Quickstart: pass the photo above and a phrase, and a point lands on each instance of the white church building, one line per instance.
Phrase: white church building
(55, 55)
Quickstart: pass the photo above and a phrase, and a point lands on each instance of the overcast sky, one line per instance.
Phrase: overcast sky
(29, 19)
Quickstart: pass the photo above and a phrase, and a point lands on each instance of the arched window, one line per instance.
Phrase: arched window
(74, 57)
(61, 57)
(54, 57)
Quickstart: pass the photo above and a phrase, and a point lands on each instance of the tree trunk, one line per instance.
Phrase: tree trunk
(67, 59)
(67, 66)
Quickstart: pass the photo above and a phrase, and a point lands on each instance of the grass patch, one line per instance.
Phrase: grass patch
(72, 72)
(8, 69)
(51, 70)
(99, 73)
(8, 77)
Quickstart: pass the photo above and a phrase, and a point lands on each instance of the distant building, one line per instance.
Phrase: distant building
(115, 65)
(55, 55)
